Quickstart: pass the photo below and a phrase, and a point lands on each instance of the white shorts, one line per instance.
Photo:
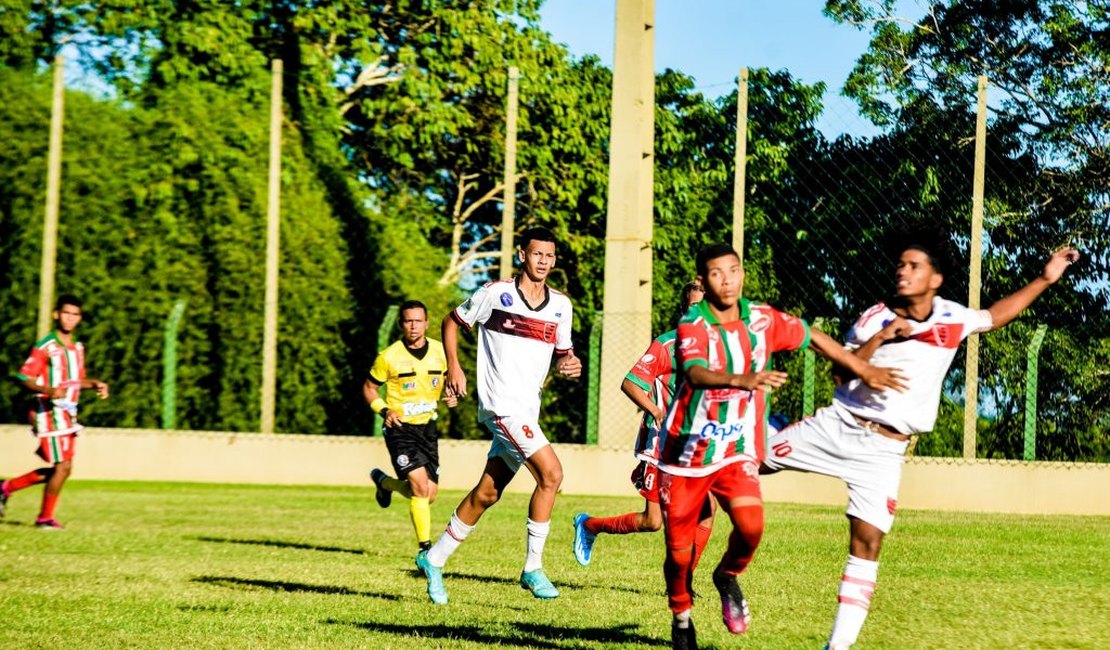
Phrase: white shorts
(834, 444)
(515, 439)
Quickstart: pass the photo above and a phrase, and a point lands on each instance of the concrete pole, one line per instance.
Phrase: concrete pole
(739, 181)
(971, 387)
(273, 231)
(508, 210)
(626, 328)
(53, 200)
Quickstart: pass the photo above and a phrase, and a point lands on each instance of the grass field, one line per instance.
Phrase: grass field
(159, 565)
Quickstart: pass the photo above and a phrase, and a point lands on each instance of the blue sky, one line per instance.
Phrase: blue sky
(712, 39)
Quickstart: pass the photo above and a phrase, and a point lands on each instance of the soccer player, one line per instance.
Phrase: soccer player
(520, 321)
(412, 369)
(716, 425)
(55, 373)
(650, 384)
(862, 437)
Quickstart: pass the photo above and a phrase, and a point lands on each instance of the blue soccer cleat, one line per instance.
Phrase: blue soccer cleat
(536, 582)
(437, 591)
(583, 540)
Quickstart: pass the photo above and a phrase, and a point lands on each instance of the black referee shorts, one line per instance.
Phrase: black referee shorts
(412, 446)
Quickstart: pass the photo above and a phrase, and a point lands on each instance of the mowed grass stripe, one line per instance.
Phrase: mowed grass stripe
(173, 565)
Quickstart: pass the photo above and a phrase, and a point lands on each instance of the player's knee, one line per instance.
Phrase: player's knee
(486, 496)
(63, 470)
(551, 478)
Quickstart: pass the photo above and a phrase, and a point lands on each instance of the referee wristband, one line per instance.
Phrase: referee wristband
(378, 406)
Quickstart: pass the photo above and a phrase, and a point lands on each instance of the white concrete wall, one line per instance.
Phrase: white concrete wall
(154, 455)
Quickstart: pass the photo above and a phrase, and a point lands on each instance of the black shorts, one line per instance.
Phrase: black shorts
(412, 446)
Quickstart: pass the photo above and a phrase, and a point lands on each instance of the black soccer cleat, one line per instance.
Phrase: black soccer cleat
(383, 496)
(683, 638)
(734, 607)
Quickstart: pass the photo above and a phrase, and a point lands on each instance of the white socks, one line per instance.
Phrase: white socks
(682, 619)
(537, 535)
(856, 588)
(449, 541)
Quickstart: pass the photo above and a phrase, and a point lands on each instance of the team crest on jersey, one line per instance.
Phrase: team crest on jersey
(507, 299)
(760, 324)
(402, 461)
(435, 382)
(713, 336)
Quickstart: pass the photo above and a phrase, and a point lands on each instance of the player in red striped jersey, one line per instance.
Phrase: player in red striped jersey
(55, 373)
(650, 384)
(861, 438)
(521, 323)
(716, 425)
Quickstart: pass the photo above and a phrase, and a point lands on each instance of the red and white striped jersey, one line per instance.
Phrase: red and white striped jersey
(51, 364)
(515, 343)
(924, 358)
(709, 428)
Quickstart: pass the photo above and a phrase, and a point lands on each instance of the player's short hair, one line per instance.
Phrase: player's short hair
(67, 299)
(413, 304)
(537, 233)
(712, 252)
(935, 244)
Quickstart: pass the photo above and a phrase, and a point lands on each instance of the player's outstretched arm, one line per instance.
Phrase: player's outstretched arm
(702, 377)
(873, 376)
(1007, 309)
(455, 384)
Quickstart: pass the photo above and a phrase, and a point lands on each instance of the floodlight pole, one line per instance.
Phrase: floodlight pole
(273, 232)
(628, 226)
(53, 199)
(971, 373)
(508, 210)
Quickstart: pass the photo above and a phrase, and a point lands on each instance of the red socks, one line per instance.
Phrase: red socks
(27, 480)
(618, 525)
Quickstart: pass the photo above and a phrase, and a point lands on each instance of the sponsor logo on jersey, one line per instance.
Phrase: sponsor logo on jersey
(558, 314)
(722, 431)
(409, 385)
(688, 342)
(760, 324)
(506, 299)
(418, 408)
(891, 505)
(647, 358)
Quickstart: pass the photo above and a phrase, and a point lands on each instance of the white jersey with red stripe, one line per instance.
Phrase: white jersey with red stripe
(515, 343)
(924, 357)
(51, 364)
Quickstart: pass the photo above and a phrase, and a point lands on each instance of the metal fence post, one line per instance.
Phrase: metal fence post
(169, 366)
(1031, 392)
(809, 383)
(593, 385)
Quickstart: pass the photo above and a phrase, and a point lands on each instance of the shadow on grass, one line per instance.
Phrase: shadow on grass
(291, 587)
(279, 544)
(562, 584)
(525, 634)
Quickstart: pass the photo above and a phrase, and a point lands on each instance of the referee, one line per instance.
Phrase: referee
(412, 370)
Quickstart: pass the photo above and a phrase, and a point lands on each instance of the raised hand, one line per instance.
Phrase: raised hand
(1059, 262)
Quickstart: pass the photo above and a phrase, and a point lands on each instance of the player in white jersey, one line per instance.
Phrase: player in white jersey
(521, 322)
(863, 436)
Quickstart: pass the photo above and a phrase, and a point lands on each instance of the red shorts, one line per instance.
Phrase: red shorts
(682, 497)
(646, 479)
(56, 449)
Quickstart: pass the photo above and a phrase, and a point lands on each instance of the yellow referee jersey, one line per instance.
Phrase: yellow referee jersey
(412, 385)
